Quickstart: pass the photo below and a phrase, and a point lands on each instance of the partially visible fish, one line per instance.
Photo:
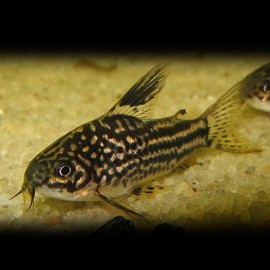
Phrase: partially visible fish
(258, 93)
(124, 148)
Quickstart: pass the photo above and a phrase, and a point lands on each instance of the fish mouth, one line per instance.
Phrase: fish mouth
(28, 195)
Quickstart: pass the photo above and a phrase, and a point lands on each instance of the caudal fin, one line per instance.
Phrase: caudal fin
(220, 116)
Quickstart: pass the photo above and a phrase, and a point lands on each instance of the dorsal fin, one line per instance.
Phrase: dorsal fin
(138, 100)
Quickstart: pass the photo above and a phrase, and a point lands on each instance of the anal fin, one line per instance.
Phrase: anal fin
(148, 189)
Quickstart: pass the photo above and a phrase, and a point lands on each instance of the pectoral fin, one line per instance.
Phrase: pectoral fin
(117, 205)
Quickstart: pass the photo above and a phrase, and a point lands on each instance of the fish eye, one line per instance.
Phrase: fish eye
(266, 87)
(64, 170)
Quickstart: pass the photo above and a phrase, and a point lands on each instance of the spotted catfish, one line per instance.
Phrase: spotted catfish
(123, 149)
(258, 94)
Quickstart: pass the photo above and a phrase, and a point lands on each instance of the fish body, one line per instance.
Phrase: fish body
(124, 148)
(120, 152)
(258, 92)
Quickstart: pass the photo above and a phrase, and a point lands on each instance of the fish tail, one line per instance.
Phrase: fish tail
(220, 117)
